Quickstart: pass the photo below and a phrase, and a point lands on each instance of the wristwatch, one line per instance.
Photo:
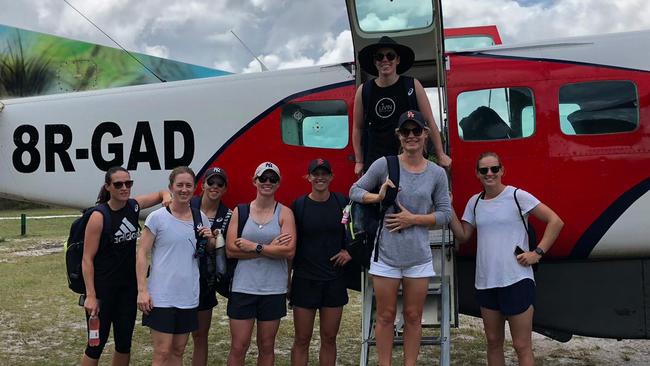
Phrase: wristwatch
(258, 249)
(539, 251)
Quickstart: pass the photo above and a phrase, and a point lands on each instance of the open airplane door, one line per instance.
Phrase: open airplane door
(418, 25)
(413, 23)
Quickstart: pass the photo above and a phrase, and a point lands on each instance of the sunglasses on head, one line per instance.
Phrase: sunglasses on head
(494, 169)
(389, 55)
(405, 132)
(215, 183)
(126, 183)
(268, 178)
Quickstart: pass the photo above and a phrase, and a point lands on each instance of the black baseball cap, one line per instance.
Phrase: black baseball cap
(411, 115)
(215, 172)
(319, 164)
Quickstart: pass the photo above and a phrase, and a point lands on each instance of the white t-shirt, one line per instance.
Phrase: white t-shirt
(499, 229)
(174, 278)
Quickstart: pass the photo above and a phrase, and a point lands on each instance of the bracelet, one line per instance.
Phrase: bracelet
(358, 162)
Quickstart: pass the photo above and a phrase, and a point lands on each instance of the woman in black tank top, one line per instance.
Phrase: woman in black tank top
(108, 265)
(372, 133)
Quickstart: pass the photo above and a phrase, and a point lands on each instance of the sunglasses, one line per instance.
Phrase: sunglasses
(267, 178)
(126, 183)
(216, 183)
(494, 169)
(416, 131)
(389, 55)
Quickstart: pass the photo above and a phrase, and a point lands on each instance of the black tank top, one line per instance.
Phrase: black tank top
(384, 108)
(115, 258)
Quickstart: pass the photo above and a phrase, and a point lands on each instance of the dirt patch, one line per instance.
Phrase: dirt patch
(578, 351)
(40, 248)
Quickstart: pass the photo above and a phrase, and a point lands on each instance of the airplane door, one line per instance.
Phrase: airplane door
(414, 23)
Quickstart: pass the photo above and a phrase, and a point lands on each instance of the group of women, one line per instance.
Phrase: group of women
(308, 237)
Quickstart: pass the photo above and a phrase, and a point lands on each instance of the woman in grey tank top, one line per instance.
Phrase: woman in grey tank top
(267, 242)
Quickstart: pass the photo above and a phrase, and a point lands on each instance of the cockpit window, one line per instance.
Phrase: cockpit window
(467, 42)
(496, 114)
(385, 16)
(320, 124)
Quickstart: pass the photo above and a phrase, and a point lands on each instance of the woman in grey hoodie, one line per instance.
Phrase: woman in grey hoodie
(404, 255)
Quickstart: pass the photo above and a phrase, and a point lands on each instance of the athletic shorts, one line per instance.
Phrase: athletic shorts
(207, 297)
(314, 294)
(117, 308)
(172, 320)
(382, 269)
(509, 300)
(261, 307)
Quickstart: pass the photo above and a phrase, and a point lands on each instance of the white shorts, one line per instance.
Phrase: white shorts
(382, 269)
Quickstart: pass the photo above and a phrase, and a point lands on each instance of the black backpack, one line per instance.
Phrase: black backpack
(366, 220)
(530, 230)
(74, 246)
(216, 278)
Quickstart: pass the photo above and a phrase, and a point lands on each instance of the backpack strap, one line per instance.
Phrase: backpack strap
(389, 200)
(106, 213)
(409, 88)
(523, 221)
(299, 210)
(393, 174)
(223, 211)
(196, 202)
(243, 210)
(341, 200)
(480, 197)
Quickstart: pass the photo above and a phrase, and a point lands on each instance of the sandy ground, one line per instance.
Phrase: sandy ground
(579, 350)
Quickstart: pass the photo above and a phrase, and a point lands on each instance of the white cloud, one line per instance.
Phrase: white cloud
(337, 49)
(299, 33)
(157, 50)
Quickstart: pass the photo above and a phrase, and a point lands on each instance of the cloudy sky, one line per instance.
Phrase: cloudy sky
(293, 33)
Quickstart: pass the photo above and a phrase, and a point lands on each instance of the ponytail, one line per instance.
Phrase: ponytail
(104, 195)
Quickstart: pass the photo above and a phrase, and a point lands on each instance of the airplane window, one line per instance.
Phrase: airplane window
(320, 124)
(598, 107)
(496, 114)
(465, 43)
(383, 16)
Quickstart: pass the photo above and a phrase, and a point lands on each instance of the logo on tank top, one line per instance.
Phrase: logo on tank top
(385, 107)
(126, 232)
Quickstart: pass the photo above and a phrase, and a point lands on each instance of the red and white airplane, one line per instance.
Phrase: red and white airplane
(570, 119)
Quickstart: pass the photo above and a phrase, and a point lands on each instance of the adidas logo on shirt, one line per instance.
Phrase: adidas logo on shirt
(126, 232)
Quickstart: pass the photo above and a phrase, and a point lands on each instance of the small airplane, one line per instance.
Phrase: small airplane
(570, 118)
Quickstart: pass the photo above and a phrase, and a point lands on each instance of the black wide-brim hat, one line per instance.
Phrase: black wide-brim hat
(405, 53)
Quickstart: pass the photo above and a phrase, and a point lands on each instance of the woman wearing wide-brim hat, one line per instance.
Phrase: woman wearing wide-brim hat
(389, 95)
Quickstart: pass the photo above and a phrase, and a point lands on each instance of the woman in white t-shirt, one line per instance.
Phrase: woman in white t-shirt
(505, 286)
(170, 296)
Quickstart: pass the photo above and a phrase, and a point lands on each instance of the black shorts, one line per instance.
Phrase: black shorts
(315, 294)
(261, 307)
(172, 320)
(117, 307)
(207, 297)
(509, 300)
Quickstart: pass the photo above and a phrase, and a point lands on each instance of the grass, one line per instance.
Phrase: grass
(43, 325)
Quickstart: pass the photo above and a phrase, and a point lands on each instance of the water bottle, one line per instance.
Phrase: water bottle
(93, 331)
(346, 215)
